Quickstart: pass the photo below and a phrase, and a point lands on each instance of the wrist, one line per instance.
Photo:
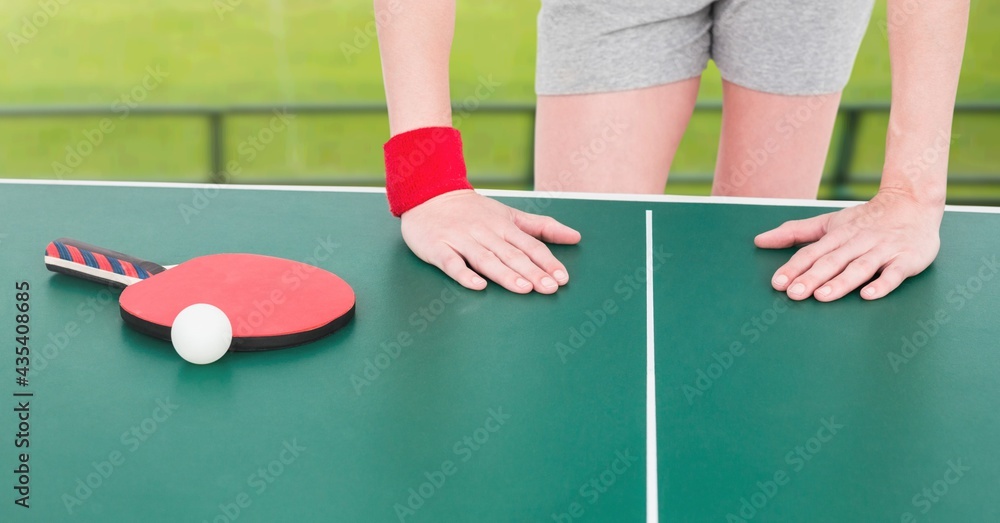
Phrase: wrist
(916, 163)
(931, 195)
(422, 164)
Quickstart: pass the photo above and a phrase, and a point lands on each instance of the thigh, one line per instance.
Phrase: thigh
(773, 145)
(616, 83)
(618, 142)
(783, 64)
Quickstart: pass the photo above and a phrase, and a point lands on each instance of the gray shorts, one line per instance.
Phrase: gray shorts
(791, 47)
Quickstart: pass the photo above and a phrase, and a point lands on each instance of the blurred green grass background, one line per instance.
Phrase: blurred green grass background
(280, 51)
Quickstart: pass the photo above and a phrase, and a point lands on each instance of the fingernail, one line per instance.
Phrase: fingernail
(476, 280)
(561, 275)
(549, 283)
(797, 289)
(869, 291)
(825, 290)
(523, 283)
(780, 279)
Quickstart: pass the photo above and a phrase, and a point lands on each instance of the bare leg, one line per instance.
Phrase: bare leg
(621, 142)
(773, 145)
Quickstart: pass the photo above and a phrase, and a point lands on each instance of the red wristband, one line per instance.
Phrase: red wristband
(421, 164)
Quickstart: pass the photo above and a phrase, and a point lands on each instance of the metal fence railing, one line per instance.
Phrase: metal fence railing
(839, 180)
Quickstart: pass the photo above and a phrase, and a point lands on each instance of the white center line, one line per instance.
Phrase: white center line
(652, 488)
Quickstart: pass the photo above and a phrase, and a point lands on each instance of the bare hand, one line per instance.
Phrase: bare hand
(892, 235)
(463, 233)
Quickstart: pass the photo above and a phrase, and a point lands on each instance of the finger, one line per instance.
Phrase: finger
(801, 261)
(794, 232)
(452, 264)
(539, 253)
(855, 275)
(521, 263)
(892, 276)
(486, 262)
(545, 228)
(826, 267)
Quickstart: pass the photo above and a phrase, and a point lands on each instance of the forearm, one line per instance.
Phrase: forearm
(926, 44)
(415, 44)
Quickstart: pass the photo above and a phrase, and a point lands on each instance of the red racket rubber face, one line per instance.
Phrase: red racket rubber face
(271, 302)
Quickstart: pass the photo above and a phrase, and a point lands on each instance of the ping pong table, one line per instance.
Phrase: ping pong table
(666, 382)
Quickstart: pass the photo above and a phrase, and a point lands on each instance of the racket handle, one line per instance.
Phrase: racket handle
(90, 262)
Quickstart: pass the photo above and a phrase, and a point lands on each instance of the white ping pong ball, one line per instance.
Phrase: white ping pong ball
(201, 333)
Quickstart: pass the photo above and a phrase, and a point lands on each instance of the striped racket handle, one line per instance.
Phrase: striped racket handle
(90, 262)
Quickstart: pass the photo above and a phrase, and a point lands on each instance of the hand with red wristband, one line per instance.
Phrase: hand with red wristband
(447, 224)
(444, 222)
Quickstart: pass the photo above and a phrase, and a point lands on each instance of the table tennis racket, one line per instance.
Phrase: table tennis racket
(271, 302)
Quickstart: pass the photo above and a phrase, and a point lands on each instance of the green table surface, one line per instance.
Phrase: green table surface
(441, 404)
